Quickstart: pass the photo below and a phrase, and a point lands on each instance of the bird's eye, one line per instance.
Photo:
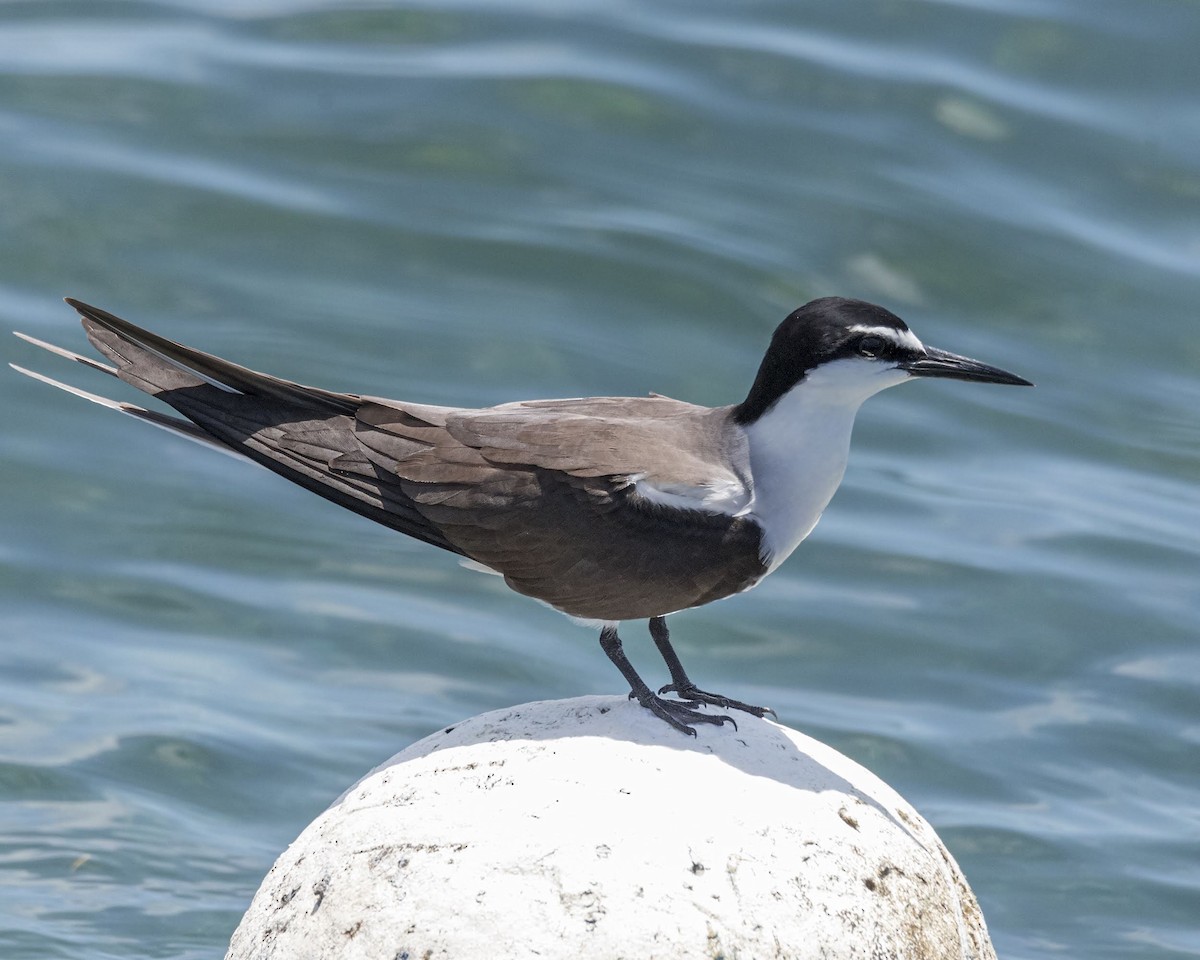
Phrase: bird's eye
(871, 346)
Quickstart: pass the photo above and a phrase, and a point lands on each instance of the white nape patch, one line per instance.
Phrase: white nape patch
(727, 495)
(902, 338)
(799, 448)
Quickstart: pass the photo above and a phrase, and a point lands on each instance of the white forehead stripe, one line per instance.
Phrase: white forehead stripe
(902, 338)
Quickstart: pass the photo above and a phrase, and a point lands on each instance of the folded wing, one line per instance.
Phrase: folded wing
(551, 494)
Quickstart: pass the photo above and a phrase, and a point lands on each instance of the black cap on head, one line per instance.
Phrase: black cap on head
(820, 331)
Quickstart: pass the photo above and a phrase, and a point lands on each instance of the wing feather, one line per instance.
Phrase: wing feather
(547, 493)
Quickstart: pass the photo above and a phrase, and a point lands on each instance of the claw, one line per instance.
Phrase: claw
(693, 695)
(675, 712)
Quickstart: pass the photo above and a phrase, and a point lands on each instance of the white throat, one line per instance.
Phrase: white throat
(799, 448)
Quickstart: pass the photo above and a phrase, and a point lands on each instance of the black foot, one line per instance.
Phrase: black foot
(693, 695)
(675, 712)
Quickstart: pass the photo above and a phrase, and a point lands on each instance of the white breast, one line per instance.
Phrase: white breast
(799, 448)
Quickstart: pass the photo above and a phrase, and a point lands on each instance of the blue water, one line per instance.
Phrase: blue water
(466, 203)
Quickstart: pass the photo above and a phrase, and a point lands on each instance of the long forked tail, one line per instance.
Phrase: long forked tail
(293, 430)
(175, 425)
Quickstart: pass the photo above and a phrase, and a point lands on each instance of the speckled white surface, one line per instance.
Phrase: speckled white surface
(585, 828)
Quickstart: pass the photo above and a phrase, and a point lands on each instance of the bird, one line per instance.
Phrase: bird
(607, 509)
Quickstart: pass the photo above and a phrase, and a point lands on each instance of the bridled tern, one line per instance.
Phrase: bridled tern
(605, 508)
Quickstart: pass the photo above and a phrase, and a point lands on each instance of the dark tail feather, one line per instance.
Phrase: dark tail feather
(293, 430)
(157, 359)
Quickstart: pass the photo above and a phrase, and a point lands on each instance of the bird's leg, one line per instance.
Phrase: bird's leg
(673, 711)
(681, 685)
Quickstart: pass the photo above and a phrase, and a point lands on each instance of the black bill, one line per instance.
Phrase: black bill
(940, 363)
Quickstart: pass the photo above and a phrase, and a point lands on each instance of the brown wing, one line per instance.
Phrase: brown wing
(544, 493)
(293, 430)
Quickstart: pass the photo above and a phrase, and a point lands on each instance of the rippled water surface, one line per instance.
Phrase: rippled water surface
(468, 202)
